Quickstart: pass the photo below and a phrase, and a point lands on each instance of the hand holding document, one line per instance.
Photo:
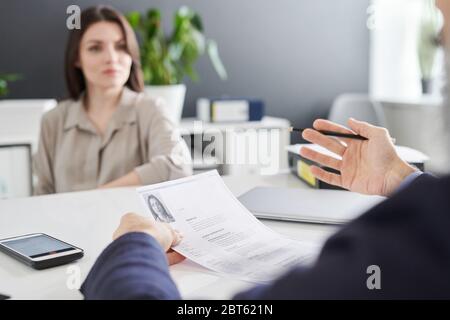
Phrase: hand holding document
(219, 232)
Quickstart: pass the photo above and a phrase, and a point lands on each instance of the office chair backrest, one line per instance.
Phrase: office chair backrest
(358, 106)
(15, 171)
(22, 118)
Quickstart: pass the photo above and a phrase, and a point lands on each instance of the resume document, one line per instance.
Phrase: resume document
(219, 233)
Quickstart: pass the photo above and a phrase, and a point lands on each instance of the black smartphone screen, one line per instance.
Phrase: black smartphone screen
(37, 246)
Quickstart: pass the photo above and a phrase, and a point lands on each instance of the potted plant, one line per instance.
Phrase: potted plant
(166, 60)
(4, 79)
(428, 44)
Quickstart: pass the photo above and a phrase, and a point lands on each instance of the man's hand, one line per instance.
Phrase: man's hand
(368, 166)
(162, 232)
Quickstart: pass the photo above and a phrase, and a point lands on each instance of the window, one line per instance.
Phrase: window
(394, 65)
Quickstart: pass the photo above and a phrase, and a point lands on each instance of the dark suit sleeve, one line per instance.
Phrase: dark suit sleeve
(407, 237)
(131, 267)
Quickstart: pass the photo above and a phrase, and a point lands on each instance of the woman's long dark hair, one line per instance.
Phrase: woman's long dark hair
(75, 81)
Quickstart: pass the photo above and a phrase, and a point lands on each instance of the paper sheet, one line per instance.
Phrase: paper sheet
(219, 232)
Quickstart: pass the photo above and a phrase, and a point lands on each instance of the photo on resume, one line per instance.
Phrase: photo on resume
(158, 209)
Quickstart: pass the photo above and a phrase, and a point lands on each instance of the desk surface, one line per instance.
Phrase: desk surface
(88, 219)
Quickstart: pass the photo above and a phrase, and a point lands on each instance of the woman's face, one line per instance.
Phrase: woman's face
(103, 57)
(156, 206)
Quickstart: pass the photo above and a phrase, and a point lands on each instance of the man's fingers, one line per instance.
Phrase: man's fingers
(125, 222)
(320, 158)
(177, 237)
(370, 131)
(360, 127)
(327, 125)
(174, 257)
(329, 143)
(325, 176)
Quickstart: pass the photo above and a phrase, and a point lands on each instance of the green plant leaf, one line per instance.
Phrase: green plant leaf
(154, 14)
(5, 79)
(213, 53)
(10, 77)
(197, 22)
(170, 71)
(153, 24)
(3, 87)
(184, 12)
(190, 54)
(166, 60)
(200, 42)
(190, 71)
(134, 18)
(175, 50)
(182, 25)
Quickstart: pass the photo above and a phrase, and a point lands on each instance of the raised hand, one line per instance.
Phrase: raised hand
(366, 166)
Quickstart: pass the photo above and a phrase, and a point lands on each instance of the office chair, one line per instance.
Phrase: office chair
(359, 106)
(20, 121)
(22, 117)
(15, 170)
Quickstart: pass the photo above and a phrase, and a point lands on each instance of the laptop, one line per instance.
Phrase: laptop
(307, 205)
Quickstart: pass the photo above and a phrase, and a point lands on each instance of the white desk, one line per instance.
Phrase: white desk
(88, 219)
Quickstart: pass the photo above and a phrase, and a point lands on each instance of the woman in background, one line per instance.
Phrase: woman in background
(109, 134)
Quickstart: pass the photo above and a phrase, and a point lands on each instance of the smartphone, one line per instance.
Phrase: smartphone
(4, 297)
(40, 251)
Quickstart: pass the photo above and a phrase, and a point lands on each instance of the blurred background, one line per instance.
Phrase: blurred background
(295, 55)
(302, 59)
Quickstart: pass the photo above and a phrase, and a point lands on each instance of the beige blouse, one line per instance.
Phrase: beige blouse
(73, 156)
